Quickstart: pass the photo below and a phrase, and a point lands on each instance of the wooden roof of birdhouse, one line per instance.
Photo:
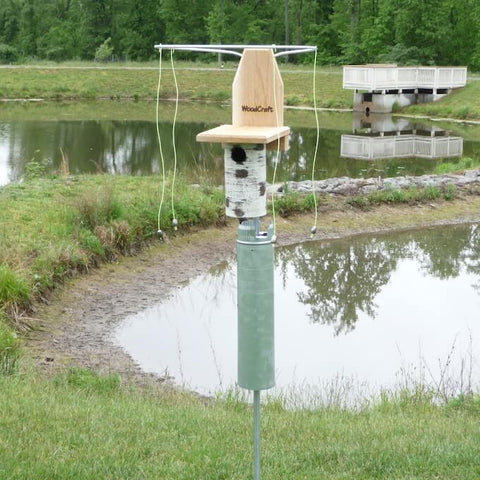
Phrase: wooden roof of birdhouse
(257, 104)
(231, 134)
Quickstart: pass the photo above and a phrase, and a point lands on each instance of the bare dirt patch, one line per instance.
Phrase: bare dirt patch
(75, 328)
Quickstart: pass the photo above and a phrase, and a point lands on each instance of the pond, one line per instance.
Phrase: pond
(122, 139)
(353, 316)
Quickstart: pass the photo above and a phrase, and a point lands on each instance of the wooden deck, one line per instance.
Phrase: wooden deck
(390, 77)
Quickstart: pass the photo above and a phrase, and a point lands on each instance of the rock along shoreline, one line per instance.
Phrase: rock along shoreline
(359, 186)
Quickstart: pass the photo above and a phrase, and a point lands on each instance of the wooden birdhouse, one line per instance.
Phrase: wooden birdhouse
(257, 125)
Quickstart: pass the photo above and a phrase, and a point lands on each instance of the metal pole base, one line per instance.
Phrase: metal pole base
(256, 434)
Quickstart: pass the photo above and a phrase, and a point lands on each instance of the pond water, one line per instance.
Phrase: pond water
(353, 316)
(124, 143)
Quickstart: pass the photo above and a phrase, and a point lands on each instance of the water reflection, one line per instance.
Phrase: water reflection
(130, 147)
(106, 146)
(342, 279)
(380, 137)
(451, 254)
(365, 308)
(377, 123)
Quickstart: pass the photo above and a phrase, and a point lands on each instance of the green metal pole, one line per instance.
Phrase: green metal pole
(256, 434)
(256, 345)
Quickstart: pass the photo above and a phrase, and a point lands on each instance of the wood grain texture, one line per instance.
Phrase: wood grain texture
(254, 102)
(232, 134)
(257, 104)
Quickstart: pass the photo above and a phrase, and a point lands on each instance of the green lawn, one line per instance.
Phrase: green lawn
(81, 426)
(463, 103)
(199, 82)
(51, 228)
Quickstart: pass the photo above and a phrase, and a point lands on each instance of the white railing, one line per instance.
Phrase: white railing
(398, 146)
(391, 77)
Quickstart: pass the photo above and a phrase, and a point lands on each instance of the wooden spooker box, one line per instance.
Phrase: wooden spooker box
(257, 125)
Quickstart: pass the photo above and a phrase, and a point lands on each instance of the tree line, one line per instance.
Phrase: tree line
(436, 32)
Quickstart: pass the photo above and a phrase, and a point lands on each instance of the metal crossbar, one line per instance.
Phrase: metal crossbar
(232, 49)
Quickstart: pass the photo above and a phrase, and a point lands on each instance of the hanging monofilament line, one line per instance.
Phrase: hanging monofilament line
(174, 218)
(277, 157)
(314, 228)
(162, 159)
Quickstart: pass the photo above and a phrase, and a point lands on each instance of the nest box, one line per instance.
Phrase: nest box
(257, 125)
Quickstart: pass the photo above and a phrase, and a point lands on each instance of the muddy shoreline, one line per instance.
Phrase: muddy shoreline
(75, 327)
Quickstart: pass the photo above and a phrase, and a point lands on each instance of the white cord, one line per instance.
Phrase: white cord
(162, 159)
(174, 221)
(314, 228)
(277, 154)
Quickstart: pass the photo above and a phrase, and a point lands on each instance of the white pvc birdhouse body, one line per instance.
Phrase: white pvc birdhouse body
(245, 180)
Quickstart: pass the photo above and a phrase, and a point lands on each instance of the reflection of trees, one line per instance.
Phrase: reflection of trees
(296, 162)
(342, 278)
(472, 258)
(442, 252)
(130, 147)
(446, 252)
(112, 146)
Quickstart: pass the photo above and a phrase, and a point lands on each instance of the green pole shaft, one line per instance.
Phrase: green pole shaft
(256, 345)
(256, 434)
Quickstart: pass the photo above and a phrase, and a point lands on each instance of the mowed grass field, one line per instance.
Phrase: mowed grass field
(201, 81)
(83, 426)
(198, 82)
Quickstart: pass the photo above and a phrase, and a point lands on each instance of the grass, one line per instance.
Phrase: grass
(409, 195)
(200, 81)
(14, 291)
(80, 425)
(9, 349)
(53, 228)
(465, 163)
(463, 104)
(293, 202)
(196, 81)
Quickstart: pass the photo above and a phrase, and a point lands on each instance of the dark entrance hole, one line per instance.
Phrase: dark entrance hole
(239, 155)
